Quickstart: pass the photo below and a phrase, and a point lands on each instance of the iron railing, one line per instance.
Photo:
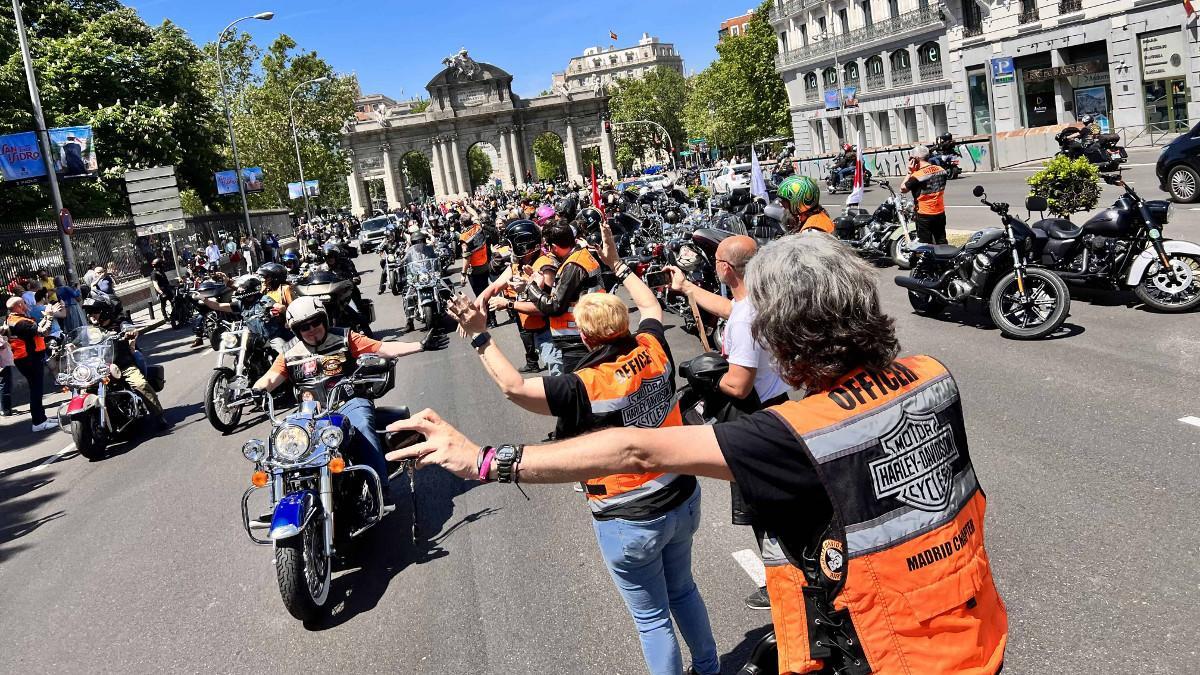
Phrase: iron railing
(812, 94)
(1068, 6)
(930, 71)
(901, 77)
(785, 8)
(855, 40)
(973, 31)
(876, 82)
(1028, 15)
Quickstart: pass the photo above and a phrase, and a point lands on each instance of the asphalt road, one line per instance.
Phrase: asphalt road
(138, 563)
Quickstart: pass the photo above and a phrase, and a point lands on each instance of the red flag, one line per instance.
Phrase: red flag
(1187, 7)
(613, 36)
(596, 192)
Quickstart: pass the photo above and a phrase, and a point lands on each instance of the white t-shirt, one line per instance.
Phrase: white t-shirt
(742, 350)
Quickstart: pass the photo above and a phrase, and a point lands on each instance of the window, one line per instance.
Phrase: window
(972, 19)
(894, 8)
(733, 30)
(821, 24)
(868, 21)
(844, 20)
(874, 66)
(831, 78)
(783, 42)
(810, 81)
(929, 53)
(804, 35)
(900, 60)
(851, 72)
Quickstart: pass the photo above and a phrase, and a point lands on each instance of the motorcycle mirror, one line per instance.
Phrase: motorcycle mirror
(978, 191)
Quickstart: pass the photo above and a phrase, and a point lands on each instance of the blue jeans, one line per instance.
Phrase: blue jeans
(551, 355)
(651, 563)
(365, 445)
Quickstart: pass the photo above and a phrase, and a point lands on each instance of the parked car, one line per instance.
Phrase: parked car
(372, 232)
(731, 178)
(1178, 167)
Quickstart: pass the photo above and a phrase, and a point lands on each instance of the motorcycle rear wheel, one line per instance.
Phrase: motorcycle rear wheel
(1161, 294)
(89, 440)
(221, 417)
(304, 571)
(1049, 304)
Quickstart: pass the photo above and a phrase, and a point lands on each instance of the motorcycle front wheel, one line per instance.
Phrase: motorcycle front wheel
(1045, 307)
(1177, 292)
(223, 418)
(428, 316)
(303, 570)
(899, 253)
(88, 436)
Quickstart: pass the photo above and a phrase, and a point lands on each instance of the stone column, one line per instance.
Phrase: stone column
(450, 182)
(608, 153)
(518, 167)
(1062, 89)
(394, 201)
(436, 167)
(507, 158)
(572, 152)
(355, 183)
(401, 186)
(464, 180)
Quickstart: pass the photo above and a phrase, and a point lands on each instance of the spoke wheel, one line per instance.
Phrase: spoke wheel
(222, 417)
(1184, 184)
(1036, 314)
(1177, 290)
(304, 571)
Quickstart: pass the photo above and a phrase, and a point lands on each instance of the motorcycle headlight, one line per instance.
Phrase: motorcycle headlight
(331, 437)
(254, 450)
(424, 279)
(82, 373)
(290, 442)
(229, 340)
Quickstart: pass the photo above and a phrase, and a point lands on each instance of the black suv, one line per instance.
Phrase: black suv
(1178, 167)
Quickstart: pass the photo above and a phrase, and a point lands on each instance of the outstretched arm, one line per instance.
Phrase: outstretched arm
(529, 394)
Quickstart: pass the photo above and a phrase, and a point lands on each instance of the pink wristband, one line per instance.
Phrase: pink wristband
(486, 466)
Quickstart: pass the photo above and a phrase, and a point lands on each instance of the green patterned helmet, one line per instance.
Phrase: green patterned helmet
(801, 193)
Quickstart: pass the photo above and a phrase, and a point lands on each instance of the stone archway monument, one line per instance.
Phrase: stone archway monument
(472, 102)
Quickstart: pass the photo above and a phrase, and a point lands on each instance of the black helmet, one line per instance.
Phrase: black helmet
(332, 251)
(946, 138)
(158, 263)
(612, 200)
(673, 216)
(591, 218)
(523, 236)
(417, 238)
(246, 285)
(312, 244)
(567, 207)
(211, 288)
(273, 272)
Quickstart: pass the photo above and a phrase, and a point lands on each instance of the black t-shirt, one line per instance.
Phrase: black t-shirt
(778, 481)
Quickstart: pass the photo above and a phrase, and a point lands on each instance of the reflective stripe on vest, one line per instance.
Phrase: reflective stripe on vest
(530, 322)
(563, 325)
(475, 240)
(19, 346)
(931, 200)
(636, 390)
(908, 562)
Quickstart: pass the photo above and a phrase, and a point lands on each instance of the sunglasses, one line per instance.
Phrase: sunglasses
(307, 325)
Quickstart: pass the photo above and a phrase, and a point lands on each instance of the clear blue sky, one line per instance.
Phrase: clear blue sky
(396, 46)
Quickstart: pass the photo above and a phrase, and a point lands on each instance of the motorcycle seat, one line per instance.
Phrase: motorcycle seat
(1059, 228)
(945, 251)
(1108, 138)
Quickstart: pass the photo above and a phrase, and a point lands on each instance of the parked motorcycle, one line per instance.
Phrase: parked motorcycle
(1099, 149)
(242, 358)
(337, 294)
(696, 257)
(1024, 302)
(889, 232)
(319, 502)
(1122, 247)
(428, 293)
(103, 407)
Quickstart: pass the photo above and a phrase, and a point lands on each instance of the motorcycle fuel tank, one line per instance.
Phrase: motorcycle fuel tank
(1114, 222)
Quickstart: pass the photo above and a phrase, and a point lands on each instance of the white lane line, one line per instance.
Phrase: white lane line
(53, 458)
(752, 565)
(1194, 421)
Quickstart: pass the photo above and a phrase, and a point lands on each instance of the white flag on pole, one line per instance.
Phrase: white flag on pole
(856, 194)
(758, 186)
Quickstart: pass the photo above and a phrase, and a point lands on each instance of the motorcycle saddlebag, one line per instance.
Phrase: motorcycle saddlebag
(157, 377)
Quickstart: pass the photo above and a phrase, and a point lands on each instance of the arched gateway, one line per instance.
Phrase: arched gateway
(473, 103)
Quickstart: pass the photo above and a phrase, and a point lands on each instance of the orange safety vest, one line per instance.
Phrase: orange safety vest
(931, 199)
(636, 390)
(475, 240)
(20, 349)
(900, 575)
(530, 322)
(818, 221)
(563, 325)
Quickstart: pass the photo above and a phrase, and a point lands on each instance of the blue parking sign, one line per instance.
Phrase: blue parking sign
(1003, 70)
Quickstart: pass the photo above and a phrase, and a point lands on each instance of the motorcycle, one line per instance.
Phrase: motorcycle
(696, 257)
(392, 270)
(251, 358)
(948, 160)
(889, 232)
(319, 502)
(1122, 247)
(1099, 149)
(102, 407)
(182, 306)
(833, 184)
(337, 294)
(1024, 302)
(428, 293)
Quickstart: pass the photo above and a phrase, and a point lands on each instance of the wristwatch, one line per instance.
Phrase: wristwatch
(507, 459)
(480, 340)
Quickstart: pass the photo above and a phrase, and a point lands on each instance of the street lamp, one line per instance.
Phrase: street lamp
(296, 140)
(237, 163)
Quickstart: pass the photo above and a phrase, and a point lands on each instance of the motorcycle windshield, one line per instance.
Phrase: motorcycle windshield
(423, 271)
(89, 353)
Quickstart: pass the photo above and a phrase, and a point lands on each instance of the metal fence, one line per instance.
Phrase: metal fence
(34, 246)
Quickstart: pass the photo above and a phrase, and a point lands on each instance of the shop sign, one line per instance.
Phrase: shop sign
(1003, 70)
(1089, 80)
(1162, 55)
(1069, 70)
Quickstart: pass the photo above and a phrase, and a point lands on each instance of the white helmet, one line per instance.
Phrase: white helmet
(305, 308)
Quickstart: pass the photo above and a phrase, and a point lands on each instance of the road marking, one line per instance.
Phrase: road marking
(53, 458)
(752, 565)
(1194, 421)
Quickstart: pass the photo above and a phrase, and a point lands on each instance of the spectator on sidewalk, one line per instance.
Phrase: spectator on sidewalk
(90, 276)
(213, 255)
(6, 371)
(28, 343)
(71, 298)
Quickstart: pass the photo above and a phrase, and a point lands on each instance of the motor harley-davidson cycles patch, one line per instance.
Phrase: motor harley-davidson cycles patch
(917, 468)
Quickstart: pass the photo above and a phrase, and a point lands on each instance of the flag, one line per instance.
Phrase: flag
(758, 186)
(596, 192)
(1187, 7)
(856, 194)
(613, 36)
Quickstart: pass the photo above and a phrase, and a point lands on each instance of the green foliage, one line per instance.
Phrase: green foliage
(589, 157)
(657, 97)
(420, 106)
(1068, 186)
(698, 192)
(740, 98)
(418, 175)
(479, 166)
(191, 202)
(549, 157)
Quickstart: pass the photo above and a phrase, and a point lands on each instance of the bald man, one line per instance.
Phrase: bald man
(752, 380)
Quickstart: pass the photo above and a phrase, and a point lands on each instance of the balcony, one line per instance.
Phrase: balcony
(930, 71)
(812, 95)
(876, 82)
(1068, 6)
(857, 40)
(785, 8)
(1028, 15)
(977, 30)
(901, 77)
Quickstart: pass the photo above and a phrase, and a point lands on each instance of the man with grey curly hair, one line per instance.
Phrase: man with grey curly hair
(876, 561)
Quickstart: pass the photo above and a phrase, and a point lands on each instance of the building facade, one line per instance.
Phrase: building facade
(1032, 63)
(866, 72)
(599, 67)
(735, 26)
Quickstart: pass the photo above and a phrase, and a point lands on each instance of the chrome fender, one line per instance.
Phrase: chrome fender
(1140, 264)
(292, 513)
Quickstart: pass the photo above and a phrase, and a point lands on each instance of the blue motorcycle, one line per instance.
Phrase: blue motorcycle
(319, 501)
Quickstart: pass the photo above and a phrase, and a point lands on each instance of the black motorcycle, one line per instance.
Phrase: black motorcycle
(948, 158)
(1025, 302)
(845, 183)
(1122, 247)
(1099, 149)
(888, 233)
(696, 257)
(182, 306)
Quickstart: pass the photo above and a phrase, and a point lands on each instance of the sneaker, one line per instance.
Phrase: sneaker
(759, 599)
(48, 425)
(530, 368)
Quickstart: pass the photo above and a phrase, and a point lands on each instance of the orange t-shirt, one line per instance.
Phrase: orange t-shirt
(359, 344)
(818, 221)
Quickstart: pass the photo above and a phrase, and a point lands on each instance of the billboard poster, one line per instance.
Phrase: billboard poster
(313, 187)
(850, 98)
(227, 183)
(831, 100)
(252, 176)
(72, 150)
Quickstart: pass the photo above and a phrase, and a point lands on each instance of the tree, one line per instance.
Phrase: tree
(139, 87)
(740, 98)
(549, 157)
(479, 166)
(1069, 186)
(657, 97)
(420, 106)
(417, 173)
